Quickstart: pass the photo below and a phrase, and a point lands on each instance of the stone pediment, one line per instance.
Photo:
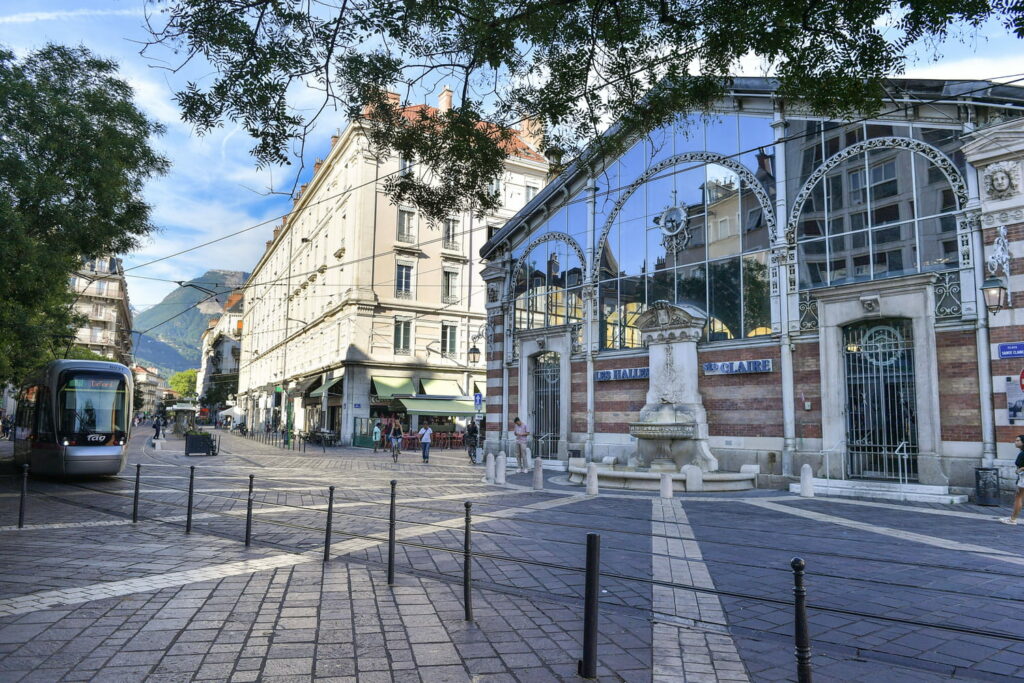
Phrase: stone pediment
(665, 316)
(996, 143)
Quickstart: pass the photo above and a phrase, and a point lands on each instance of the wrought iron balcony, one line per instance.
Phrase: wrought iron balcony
(405, 237)
(403, 293)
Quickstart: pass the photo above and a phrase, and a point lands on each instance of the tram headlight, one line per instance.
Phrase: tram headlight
(66, 444)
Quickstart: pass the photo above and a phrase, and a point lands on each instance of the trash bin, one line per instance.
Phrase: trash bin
(986, 485)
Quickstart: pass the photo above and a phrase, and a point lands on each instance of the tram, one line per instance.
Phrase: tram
(73, 417)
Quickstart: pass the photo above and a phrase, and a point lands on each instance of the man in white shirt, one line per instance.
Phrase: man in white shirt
(425, 433)
(522, 432)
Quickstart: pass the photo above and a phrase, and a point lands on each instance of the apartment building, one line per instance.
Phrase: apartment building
(153, 387)
(362, 310)
(102, 297)
(221, 346)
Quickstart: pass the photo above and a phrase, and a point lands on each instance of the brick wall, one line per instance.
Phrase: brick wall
(744, 404)
(959, 411)
(807, 387)
(617, 403)
(578, 398)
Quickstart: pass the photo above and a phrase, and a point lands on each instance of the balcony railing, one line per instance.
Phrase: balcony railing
(402, 351)
(403, 293)
(405, 237)
(450, 244)
(450, 299)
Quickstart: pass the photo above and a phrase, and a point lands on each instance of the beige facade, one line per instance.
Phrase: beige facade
(152, 386)
(221, 346)
(103, 299)
(353, 287)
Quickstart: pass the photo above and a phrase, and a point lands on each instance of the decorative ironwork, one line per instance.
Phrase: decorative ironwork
(576, 338)
(748, 180)
(406, 237)
(947, 295)
(808, 312)
(934, 155)
(881, 402)
(547, 237)
(547, 395)
(999, 256)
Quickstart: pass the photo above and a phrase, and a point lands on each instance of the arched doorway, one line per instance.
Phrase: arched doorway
(547, 403)
(881, 404)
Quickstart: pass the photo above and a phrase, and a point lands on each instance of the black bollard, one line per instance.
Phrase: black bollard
(251, 477)
(248, 522)
(24, 495)
(391, 537)
(191, 490)
(327, 533)
(800, 632)
(135, 503)
(467, 566)
(588, 665)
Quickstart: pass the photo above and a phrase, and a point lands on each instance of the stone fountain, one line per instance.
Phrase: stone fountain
(673, 426)
(672, 432)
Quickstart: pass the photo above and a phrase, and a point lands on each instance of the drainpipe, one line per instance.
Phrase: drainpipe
(785, 341)
(588, 312)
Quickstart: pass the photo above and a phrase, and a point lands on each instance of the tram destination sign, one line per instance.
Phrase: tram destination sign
(621, 373)
(738, 367)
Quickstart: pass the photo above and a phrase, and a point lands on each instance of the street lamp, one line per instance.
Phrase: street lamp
(473, 356)
(996, 295)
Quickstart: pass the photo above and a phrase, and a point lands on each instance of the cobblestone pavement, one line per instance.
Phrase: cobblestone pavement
(694, 589)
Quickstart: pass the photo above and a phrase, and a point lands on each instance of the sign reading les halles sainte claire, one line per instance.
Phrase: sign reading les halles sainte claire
(737, 367)
(621, 373)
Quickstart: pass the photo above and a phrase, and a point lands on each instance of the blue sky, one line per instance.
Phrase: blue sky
(214, 187)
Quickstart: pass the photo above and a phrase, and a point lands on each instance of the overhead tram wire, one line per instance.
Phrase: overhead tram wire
(788, 138)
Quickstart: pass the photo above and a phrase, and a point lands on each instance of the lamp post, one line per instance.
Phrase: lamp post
(997, 297)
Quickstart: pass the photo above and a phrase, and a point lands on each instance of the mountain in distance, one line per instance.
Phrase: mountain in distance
(176, 323)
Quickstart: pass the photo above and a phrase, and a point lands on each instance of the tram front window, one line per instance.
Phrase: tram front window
(91, 404)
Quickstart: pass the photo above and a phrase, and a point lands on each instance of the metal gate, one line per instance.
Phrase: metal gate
(881, 405)
(547, 400)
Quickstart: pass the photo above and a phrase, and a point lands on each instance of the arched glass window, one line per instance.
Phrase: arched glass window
(547, 284)
(878, 212)
(693, 231)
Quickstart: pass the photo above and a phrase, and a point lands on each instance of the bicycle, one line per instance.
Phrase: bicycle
(471, 449)
(396, 448)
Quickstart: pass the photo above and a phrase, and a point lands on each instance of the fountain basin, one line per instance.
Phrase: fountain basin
(641, 480)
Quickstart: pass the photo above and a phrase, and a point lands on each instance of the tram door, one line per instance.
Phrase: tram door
(547, 404)
(881, 405)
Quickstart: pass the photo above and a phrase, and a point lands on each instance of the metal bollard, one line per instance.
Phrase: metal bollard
(251, 477)
(135, 502)
(391, 536)
(467, 566)
(587, 667)
(24, 495)
(800, 633)
(191, 489)
(248, 522)
(327, 533)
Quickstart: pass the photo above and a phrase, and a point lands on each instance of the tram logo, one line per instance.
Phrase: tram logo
(96, 437)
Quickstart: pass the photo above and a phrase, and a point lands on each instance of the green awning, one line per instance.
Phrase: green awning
(319, 391)
(389, 386)
(437, 406)
(442, 387)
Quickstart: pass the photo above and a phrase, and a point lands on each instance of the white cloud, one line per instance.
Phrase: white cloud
(1002, 67)
(64, 15)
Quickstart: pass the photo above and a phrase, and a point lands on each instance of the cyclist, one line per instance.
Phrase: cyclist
(396, 440)
(472, 438)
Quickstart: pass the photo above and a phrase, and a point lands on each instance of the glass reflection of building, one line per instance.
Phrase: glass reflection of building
(879, 213)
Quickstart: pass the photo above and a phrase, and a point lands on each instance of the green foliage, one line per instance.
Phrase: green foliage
(73, 162)
(81, 353)
(184, 382)
(571, 65)
(221, 386)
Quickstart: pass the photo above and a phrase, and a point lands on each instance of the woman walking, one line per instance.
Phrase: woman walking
(1018, 499)
(425, 433)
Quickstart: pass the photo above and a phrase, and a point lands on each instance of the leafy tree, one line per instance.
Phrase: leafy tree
(569, 65)
(184, 382)
(74, 155)
(80, 353)
(221, 387)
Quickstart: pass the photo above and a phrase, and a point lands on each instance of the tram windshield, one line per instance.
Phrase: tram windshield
(92, 403)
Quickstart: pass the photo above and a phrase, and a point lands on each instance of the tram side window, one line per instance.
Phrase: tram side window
(26, 417)
(44, 416)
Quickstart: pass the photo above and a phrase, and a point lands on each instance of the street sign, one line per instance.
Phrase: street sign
(1011, 350)
(478, 401)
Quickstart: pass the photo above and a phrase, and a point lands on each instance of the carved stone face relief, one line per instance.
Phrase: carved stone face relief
(1002, 180)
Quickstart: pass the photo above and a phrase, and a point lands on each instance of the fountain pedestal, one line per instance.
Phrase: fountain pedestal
(673, 429)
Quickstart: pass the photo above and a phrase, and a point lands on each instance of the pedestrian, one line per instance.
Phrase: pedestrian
(472, 434)
(1018, 499)
(425, 433)
(396, 438)
(376, 436)
(522, 432)
(156, 429)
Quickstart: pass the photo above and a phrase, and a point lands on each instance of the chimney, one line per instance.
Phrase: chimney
(334, 140)
(394, 98)
(444, 100)
(532, 132)
(316, 165)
